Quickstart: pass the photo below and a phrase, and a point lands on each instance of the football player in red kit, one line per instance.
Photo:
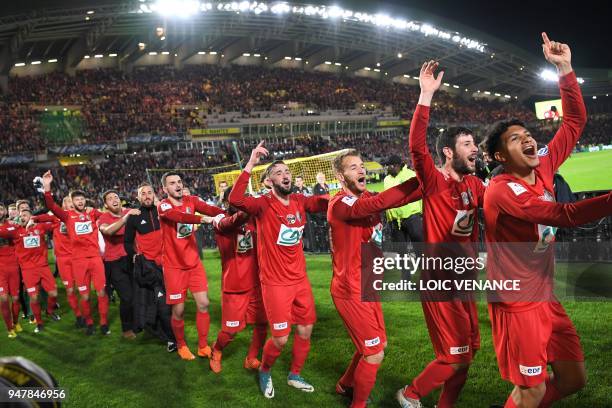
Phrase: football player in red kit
(31, 251)
(87, 263)
(280, 216)
(531, 333)
(9, 279)
(450, 206)
(62, 250)
(181, 261)
(241, 301)
(354, 219)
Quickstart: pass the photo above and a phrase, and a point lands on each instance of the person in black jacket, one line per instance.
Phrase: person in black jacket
(143, 246)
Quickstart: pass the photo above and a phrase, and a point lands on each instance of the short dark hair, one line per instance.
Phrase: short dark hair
(448, 138)
(495, 132)
(340, 158)
(107, 192)
(168, 174)
(77, 193)
(226, 193)
(271, 167)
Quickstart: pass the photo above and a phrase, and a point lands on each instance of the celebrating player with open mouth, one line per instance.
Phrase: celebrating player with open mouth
(449, 214)
(520, 207)
(280, 217)
(354, 219)
(181, 261)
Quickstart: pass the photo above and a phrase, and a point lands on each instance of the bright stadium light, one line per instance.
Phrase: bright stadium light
(165, 52)
(246, 54)
(98, 56)
(86, 57)
(201, 52)
(112, 55)
(549, 75)
(297, 58)
(153, 53)
(36, 62)
(176, 8)
(20, 64)
(213, 53)
(327, 62)
(580, 80)
(52, 60)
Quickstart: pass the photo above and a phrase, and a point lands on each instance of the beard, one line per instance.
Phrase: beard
(461, 166)
(280, 190)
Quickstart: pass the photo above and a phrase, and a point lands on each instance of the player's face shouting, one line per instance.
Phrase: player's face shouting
(281, 179)
(67, 204)
(146, 196)
(113, 202)
(519, 148)
(464, 156)
(354, 174)
(174, 187)
(24, 217)
(79, 203)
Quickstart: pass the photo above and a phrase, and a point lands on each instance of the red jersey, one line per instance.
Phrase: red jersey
(516, 211)
(235, 235)
(7, 248)
(61, 241)
(450, 208)
(179, 247)
(30, 243)
(113, 248)
(354, 221)
(82, 229)
(279, 228)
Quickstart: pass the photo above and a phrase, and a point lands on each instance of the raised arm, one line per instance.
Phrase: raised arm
(223, 223)
(111, 229)
(203, 208)
(532, 209)
(45, 218)
(572, 103)
(424, 164)
(166, 211)
(237, 197)
(315, 204)
(356, 208)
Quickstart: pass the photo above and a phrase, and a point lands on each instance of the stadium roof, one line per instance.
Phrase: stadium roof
(351, 40)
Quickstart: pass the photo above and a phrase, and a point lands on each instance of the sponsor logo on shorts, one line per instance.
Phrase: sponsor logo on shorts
(530, 371)
(30, 290)
(460, 350)
(372, 342)
(280, 326)
(176, 297)
(234, 323)
(82, 288)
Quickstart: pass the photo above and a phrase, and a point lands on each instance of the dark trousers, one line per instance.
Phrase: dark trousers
(409, 229)
(122, 279)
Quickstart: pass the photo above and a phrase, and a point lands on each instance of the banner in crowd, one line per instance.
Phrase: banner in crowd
(198, 133)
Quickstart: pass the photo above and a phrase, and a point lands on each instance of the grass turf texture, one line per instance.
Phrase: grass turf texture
(583, 171)
(111, 372)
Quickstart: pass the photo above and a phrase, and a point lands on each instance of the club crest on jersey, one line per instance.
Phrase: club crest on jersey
(183, 230)
(290, 218)
(466, 197)
(244, 242)
(289, 236)
(63, 229)
(82, 217)
(464, 223)
(298, 216)
(188, 210)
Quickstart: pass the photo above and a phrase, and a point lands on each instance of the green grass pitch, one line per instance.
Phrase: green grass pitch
(111, 372)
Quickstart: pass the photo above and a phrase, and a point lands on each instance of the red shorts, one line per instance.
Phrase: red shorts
(365, 324)
(525, 342)
(64, 267)
(287, 305)
(453, 330)
(88, 270)
(179, 280)
(32, 277)
(9, 279)
(240, 309)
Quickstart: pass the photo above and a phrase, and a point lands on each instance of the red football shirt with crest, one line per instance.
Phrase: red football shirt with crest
(30, 244)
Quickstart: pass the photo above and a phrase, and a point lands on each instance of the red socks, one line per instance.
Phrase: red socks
(86, 311)
(270, 354)
(35, 306)
(301, 347)
(203, 325)
(551, 395)
(15, 306)
(433, 376)
(6, 315)
(103, 309)
(510, 403)
(257, 341)
(365, 378)
(348, 378)
(74, 304)
(178, 328)
(451, 389)
(223, 339)
(51, 303)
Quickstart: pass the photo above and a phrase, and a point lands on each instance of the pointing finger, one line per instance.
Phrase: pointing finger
(545, 38)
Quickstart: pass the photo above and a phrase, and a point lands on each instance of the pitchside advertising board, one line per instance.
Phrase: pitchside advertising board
(550, 109)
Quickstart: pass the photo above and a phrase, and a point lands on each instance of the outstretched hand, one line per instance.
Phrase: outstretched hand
(558, 54)
(47, 179)
(256, 155)
(427, 80)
